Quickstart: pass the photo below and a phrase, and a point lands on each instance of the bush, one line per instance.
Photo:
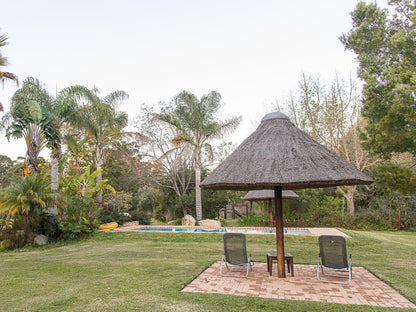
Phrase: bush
(79, 207)
(81, 230)
(178, 222)
(49, 225)
(115, 207)
(12, 233)
(140, 216)
(252, 220)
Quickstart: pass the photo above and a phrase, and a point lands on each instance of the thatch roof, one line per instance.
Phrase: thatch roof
(267, 194)
(279, 154)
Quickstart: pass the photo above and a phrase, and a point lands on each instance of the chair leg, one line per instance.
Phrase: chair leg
(248, 268)
(320, 266)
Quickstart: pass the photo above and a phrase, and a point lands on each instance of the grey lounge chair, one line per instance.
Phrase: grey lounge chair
(333, 258)
(235, 255)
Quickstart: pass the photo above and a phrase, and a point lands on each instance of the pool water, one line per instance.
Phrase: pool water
(234, 230)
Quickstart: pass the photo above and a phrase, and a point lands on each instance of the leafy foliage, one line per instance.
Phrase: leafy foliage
(76, 230)
(393, 179)
(252, 220)
(3, 62)
(5, 164)
(196, 123)
(23, 198)
(385, 49)
(116, 207)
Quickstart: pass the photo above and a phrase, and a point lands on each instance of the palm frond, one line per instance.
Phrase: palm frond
(115, 98)
(4, 76)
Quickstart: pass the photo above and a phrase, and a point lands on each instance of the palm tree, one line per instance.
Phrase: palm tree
(197, 123)
(77, 152)
(27, 124)
(3, 62)
(102, 124)
(54, 114)
(23, 197)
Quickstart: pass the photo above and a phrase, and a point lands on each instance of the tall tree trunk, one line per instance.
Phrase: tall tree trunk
(198, 200)
(348, 193)
(54, 180)
(99, 161)
(28, 225)
(54, 173)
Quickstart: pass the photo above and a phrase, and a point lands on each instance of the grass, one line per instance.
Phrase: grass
(146, 271)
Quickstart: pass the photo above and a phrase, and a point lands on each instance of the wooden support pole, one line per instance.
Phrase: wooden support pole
(279, 232)
(405, 215)
(398, 211)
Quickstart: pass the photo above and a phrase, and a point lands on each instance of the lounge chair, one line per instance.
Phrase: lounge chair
(235, 255)
(333, 258)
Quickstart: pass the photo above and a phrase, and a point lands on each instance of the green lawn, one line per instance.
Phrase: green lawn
(146, 271)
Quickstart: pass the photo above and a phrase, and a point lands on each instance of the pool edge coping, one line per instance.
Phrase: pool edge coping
(312, 231)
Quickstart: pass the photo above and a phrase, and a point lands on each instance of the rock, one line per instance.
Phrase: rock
(41, 240)
(208, 223)
(188, 220)
(131, 223)
(172, 222)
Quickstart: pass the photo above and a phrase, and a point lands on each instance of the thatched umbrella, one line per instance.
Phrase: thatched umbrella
(280, 156)
(267, 195)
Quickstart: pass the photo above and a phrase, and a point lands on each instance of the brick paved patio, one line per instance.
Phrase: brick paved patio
(364, 289)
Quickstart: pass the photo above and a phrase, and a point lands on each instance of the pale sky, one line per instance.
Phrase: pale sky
(252, 52)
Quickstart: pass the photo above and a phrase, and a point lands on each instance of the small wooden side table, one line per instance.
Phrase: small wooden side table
(288, 259)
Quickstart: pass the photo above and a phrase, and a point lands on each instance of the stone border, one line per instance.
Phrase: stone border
(313, 231)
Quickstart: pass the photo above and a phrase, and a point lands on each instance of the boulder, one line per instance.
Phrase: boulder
(41, 239)
(131, 223)
(208, 223)
(188, 220)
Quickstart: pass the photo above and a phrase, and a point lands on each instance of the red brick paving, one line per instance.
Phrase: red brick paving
(364, 289)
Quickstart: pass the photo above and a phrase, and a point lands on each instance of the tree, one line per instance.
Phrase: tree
(196, 123)
(27, 124)
(3, 62)
(393, 179)
(101, 123)
(332, 117)
(53, 114)
(171, 164)
(24, 196)
(5, 164)
(385, 49)
(77, 152)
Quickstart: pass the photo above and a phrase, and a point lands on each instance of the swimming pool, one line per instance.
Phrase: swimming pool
(226, 230)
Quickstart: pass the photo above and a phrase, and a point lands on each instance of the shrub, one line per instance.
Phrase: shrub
(115, 207)
(12, 233)
(140, 216)
(178, 222)
(252, 220)
(74, 230)
(49, 225)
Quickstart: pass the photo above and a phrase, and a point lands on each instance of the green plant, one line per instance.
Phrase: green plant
(140, 216)
(252, 220)
(74, 230)
(49, 224)
(26, 196)
(115, 207)
(178, 222)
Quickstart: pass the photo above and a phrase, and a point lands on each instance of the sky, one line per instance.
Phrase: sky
(252, 52)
